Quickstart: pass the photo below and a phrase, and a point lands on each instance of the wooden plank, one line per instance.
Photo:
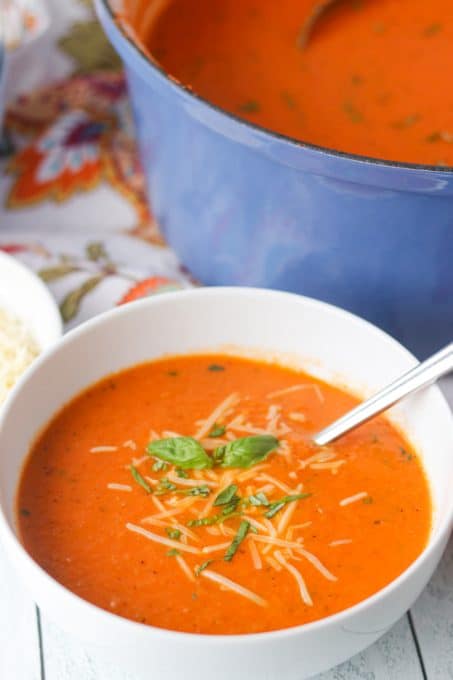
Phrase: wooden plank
(433, 612)
(19, 641)
(393, 657)
(65, 658)
(432, 615)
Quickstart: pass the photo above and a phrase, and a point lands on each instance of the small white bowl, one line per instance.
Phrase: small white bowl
(24, 295)
(324, 339)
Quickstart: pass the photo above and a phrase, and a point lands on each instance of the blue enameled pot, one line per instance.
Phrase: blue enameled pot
(241, 205)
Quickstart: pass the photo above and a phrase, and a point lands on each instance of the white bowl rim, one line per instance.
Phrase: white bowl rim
(53, 313)
(442, 531)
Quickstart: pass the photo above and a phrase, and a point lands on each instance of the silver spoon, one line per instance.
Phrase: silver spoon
(420, 376)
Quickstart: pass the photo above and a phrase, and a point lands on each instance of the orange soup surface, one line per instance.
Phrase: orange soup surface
(373, 79)
(185, 494)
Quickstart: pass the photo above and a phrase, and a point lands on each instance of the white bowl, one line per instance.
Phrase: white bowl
(327, 341)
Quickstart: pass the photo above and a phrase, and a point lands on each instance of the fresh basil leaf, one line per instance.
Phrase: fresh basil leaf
(140, 480)
(226, 496)
(276, 506)
(248, 451)
(243, 530)
(175, 534)
(258, 499)
(202, 567)
(185, 452)
(217, 431)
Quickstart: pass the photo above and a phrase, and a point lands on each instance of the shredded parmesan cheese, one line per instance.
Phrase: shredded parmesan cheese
(18, 349)
(136, 462)
(216, 415)
(173, 477)
(185, 567)
(119, 487)
(273, 563)
(267, 478)
(235, 587)
(215, 548)
(342, 541)
(271, 540)
(211, 443)
(317, 564)
(255, 555)
(320, 457)
(353, 499)
(297, 417)
(159, 505)
(102, 449)
(130, 444)
(305, 595)
(162, 539)
(296, 388)
(285, 517)
(160, 523)
(333, 466)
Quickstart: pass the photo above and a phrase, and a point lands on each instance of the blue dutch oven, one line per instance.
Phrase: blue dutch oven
(241, 205)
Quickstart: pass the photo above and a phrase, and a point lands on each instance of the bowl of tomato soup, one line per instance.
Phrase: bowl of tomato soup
(163, 501)
(325, 170)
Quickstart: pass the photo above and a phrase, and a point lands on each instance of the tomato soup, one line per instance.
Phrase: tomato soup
(185, 493)
(373, 79)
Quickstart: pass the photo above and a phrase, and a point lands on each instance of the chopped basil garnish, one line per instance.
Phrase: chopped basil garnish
(173, 552)
(250, 106)
(258, 499)
(185, 452)
(247, 451)
(355, 116)
(276, 506)
(243, 530)
(175, 534)
(140, 480)
(202, 490)
(165, 486)
(24, 512)
(215, 368)
(368, 500)
(228, 512)
(159, 466)
(226, 496)
(405, 453)
(202, 567)
(181, 473)
(217, 430)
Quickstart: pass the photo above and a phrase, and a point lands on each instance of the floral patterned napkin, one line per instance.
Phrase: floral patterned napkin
(73, 202)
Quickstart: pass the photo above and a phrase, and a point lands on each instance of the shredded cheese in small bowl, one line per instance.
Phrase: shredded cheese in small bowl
(18, 348)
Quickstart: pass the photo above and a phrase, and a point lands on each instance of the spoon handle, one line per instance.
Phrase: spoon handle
(420, 376)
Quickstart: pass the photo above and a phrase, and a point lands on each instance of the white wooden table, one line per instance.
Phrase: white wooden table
(419, 646)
